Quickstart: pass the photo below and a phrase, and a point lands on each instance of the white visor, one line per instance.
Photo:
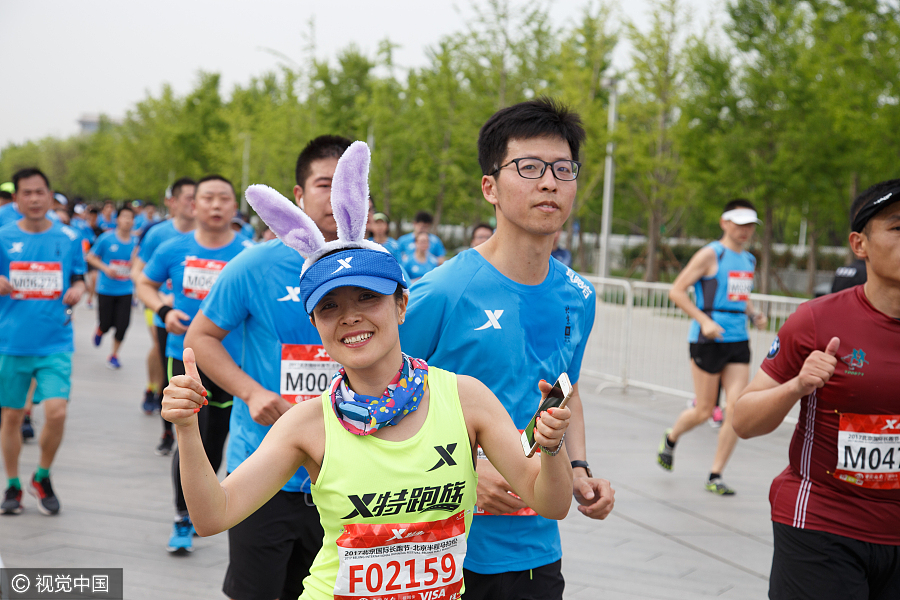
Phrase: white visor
(741, 216)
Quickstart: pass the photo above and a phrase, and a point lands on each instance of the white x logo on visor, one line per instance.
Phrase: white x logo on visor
(345, 264)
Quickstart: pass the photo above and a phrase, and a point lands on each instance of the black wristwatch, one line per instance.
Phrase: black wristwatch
(583, 464)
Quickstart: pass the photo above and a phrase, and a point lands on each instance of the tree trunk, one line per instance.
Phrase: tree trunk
(811, 257)
(652, 271)
(765, 261)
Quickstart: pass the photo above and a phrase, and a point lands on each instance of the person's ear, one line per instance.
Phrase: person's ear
(859, 244)
(298, 197)
(489, 188)
(401, 308)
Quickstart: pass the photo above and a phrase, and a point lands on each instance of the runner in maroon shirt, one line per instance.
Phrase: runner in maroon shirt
(836, 507)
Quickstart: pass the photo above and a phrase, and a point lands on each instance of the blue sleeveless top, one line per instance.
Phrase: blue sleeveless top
(724, 295)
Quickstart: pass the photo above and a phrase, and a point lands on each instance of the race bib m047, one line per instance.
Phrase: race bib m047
(868, 451)
(36, 280)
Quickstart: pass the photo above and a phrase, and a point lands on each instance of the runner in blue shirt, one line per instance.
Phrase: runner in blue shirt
(422, 222)
(721, 274)
(507, 314)
(420, 261)
(180, 201)
(111, 256)
(381, 225)
(41, 278)
(193, 264)
(106, 220)
(284, 363)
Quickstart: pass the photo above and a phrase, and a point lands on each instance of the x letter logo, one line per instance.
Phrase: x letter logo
(293, 294)
(891, 424)
(493, 319)
(345, 264)
(445, 457)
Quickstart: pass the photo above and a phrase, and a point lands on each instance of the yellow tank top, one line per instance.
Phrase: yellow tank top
(395, 514)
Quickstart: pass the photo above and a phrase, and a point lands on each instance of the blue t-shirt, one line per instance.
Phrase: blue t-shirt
(391, 246)
(418, 269)
(724, 295)
(156, 235)
(112, 251)
(193, 270)
(105, 225)
(140, 223)
(82, 227)
(9, 213)
(258, 292)
(469, 318)
(33, 320)
(407, 245)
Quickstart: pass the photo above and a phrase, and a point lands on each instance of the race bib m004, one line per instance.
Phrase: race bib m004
(306, 371)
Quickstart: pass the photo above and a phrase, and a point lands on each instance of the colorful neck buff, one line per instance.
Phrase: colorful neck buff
(361, 415)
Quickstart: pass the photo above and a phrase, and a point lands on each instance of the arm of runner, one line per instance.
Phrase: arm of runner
(595, 496)
(147, 292)
(215, 506)
(543, 484)
(493, 491)
(701, 265)
(759, 319)
(6, 287)
(764, 404)
(205, 337)
(74, 293)
(137, 267)
(96, 262)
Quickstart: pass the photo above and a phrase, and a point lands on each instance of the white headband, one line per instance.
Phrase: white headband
(741, 216)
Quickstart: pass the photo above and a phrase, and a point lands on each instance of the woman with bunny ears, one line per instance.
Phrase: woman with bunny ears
(391, 445)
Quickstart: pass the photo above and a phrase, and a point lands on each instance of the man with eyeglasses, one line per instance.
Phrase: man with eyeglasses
(507, 314)
(41, 278)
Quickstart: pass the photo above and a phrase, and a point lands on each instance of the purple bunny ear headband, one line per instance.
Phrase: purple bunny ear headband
(349, 204)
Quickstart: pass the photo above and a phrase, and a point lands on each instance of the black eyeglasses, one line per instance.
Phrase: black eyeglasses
(534, 168)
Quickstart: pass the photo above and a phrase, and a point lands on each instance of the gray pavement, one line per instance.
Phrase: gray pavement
(667, 538)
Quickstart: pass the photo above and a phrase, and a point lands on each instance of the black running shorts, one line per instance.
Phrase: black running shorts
(270, 552)
(712, 357)
(816, 565)
(542, 583)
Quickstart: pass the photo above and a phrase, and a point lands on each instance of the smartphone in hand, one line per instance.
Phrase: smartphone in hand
(558, 397)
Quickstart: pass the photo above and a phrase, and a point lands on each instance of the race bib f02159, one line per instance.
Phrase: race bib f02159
(740, 284)
(121, 269)
(402, 561)
(868, 451)
(199, 276)
(306, 371)
(36, 280)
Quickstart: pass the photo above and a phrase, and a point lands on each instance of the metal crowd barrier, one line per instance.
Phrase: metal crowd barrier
(639, 337)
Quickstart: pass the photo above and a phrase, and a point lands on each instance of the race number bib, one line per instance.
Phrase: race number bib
(121, 269)
(403, 561)
(868, 451)
(740, 284)
(34, 280)
(306, 371)
(522, 512)
(199, 276)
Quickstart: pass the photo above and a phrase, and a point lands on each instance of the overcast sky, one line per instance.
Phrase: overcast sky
(61, 59)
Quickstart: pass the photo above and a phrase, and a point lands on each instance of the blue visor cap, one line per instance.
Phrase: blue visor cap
(359, 267)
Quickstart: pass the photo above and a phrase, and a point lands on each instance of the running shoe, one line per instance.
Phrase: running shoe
(181, 541)
(165, 444)
(150, 405)
(666, 455)
(12, 501)
(27, 428)
(715, 421)
(43, 491)
(717, 486)
(98, 336)
(113, 363)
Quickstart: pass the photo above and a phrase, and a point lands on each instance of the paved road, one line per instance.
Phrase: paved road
(667, 539)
